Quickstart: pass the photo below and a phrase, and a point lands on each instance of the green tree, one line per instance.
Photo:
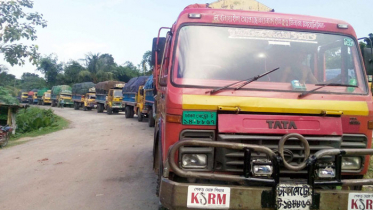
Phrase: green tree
(145, 64)
(100, 66)
(85, 76)
(126, 72)
(50, 67)
(6, 96)
(72, 70)
(15, 25)
(31, 81)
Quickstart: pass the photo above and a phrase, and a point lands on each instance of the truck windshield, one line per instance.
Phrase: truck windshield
(48, 95)
(92, 97)
(212, 56)
(118, 93)
(66, 95)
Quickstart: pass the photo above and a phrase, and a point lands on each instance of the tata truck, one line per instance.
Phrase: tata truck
(247, 119)
(109, 96)
(132, 93)
(39, 96)
(84, 95)
(61, 96)
(46, 98)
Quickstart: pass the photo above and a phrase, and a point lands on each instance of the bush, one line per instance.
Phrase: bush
(33, 118)
(6, 96)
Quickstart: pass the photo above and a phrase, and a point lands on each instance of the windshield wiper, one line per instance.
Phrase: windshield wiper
(246, 81)
(324, 85)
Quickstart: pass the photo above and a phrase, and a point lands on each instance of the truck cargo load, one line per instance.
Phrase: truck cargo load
(134, 84)
(61, 89)
(82, 88)
(104, 87)
(61, 93)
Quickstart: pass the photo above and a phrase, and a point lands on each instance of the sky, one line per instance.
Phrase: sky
(125, 28)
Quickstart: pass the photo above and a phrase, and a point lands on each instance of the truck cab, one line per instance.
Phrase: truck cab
(46, 99)
(35, 98)
(145, 102)
(260, 110)
(66, 96)
(114, 99)
(89, 100)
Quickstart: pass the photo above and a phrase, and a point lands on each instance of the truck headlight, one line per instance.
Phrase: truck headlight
(261, 168)
(351, 163)
(327, 172)
(194, 161)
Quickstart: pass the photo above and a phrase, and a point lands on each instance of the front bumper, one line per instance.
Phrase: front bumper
(174, 195)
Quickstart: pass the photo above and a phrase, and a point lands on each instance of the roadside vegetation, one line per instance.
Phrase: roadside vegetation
(32, 122)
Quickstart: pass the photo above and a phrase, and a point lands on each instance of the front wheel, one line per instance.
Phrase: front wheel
(5, 143)
(84, 108)
(139, 115)
(109, 111)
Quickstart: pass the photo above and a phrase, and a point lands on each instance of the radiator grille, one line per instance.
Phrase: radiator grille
(232, 160)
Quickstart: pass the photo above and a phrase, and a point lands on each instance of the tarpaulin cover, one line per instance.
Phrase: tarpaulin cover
(42, 91)
(134, 84)
(82, 88)
(31, 93)
(56, 90)
(149, 83)
(104, 87)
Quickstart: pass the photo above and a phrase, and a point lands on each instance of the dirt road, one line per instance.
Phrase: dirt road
(100, 162)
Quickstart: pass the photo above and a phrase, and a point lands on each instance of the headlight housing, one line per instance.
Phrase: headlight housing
(351, 163)
(194, 161)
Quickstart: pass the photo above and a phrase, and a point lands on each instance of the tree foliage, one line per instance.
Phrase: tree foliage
(51, 68)
(31, 81)
(6, 96)
(17, 25)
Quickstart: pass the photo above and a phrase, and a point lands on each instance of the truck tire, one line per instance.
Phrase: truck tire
(116, 111)
(76, 106)
(84, 108)
(139, 115)
(132, 113)
(109, 111)
(151, 121)
(128, 112)
(101, 109)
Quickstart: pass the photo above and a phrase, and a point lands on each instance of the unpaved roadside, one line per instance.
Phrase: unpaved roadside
(100, 162)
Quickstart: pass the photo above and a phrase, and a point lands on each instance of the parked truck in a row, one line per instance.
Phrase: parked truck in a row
(84, 96)
(32, 96)
(260, 110)
(61, 93)
(131, 92)
(39, 94)
(109, 96)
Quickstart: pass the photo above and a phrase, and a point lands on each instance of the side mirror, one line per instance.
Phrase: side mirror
(142, 92)
(370, 78)
(159, 49)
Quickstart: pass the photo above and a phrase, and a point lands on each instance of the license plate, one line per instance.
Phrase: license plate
(199, 118)
(358, 201)
(294, 196)
(208, 197)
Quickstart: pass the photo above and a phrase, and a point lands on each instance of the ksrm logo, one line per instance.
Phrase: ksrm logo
(208, 198)
(274, 124)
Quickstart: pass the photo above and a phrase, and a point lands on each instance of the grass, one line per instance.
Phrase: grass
(62, 123)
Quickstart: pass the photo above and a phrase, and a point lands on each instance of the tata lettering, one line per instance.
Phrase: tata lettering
(281, 124)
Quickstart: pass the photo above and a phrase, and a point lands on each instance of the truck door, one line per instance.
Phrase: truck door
(163, 76)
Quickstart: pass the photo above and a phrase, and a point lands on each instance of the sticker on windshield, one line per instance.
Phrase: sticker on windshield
(348, 42)
(272, 35)
(199, 118)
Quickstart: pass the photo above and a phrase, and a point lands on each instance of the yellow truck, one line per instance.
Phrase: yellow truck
(46, 98)
(84, 95)
(23, 97)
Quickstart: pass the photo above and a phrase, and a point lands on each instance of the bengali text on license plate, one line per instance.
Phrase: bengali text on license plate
(199, 118)
(294, 196)
(208, 197)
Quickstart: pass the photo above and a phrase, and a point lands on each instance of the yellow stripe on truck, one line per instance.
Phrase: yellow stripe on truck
(275, 105)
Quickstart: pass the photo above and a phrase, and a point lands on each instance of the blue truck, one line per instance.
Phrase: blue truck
(138, 98)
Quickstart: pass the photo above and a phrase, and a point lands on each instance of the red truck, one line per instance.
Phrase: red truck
(260, 110)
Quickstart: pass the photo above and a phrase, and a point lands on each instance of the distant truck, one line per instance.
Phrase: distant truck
(109, 96)
(46, 98)
(32, 96)
(23, 96)
(59, 93)
(40, 94)
(145, 102)
(131, 93)
(84, 95)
